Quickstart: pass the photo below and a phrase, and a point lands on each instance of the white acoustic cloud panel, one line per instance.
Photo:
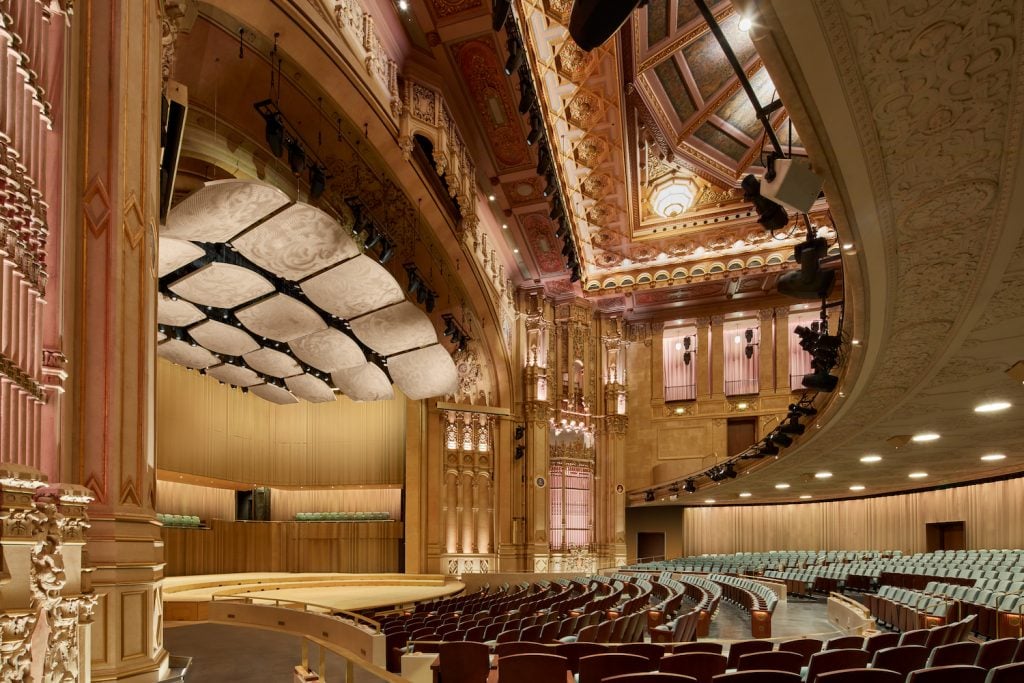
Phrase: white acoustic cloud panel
(177, 313)
(182, 353)
(353, 288)
(222, 285)
(364, 383)
(328, 350)
(424, 373)
(297, 242)
(176, 253)
(395, 329)
(234, 374)
(273, 363)
(310, 389)
(274, 394)
(281, 318)
(221, 338)
(221, 209)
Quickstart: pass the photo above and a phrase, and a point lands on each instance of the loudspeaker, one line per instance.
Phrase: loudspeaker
(173, 111)
(795, 185)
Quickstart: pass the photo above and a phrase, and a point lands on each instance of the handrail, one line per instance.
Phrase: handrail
(279, 602)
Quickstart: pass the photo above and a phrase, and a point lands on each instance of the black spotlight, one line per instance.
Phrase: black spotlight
(415, 283)
(770, 215)
(373, 237)
(317, 182)
(543, 160)
(520, 452)
(296, 157)
(557, 209)
(576, 275)
(781, 439)
(449, 325)
(648, 496)
(431, 302)
(562, 231)
(820, 381)
(527, 97)
(551, 185)
(520, 432)
(729, 471)
(748, 351)
(793, 426)
(802, 409)
(500, 10)
(592, 22)
(536, 127)
(768, 448)
(386, 252)
(689, 486)
(515, 55)
(275, 134)
(810, 282)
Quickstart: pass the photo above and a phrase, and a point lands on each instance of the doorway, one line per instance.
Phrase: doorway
(650, 545)
(740, 433)
(945, 536)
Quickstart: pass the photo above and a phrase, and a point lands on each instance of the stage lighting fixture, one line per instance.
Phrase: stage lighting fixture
(820, 381)
(527, 97)
(575, 277)
(515, 55)
(431, 302)
(449, 325)
(768, 448)
(317, 182)
(781, 439)
(415, 283)
(520, 432)
(296, 157)
(557, 209)
(770, 215)
(593, 22)
(690, 486)
(275, 134)
(386, 252)
(729, 471)
(648, 496)
(373, 237)
(421, 295)
(749, 335)
(562, 232)
(748, 351)
(500, 10)
(520, 452)
(802, 409)
(551, 185)
(536, 128)
(543, 160)
(810, 282)
(567, 248)
(793, 426)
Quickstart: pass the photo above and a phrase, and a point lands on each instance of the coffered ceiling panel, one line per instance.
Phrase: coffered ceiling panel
(424, 373)
(221, 209)
(235, 375)
(395, 329)
(182, 353)
(363, 383)
(298, 241)
(273, 363)
(176, 253)
(274, 394)
(353, 288)
(328, 350)
(174, 311)
(222, 338)
(222, 285)
(311, 389)
(281, 318)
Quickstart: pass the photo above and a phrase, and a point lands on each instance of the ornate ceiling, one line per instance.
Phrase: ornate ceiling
(657, 106)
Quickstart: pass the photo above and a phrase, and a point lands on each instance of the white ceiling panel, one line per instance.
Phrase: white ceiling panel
(364, 383)
(177, 313)
(234, 374)
(354, 288)
(273, 363)
(182, 353)
(221, 209)
(222, 285)
(310, 388)
(328, 350)
(395, 329)
(424, 373)
(274, 394)
(176, 253)
(281, 318)
(222, 338)
(297, 242)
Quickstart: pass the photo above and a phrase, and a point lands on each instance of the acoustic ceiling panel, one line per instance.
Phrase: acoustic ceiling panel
(274, 394)
(273, 363)
(182, 353)
(221, 209)
(364, 383)
(424, 373)
(353, 288)
(234, 374)
(222, 285)
(328, 350)
(221, 338)
(176, 312)
(310, 389)
(176, 253)
(297, 242)
(395, 329)
(281, 318)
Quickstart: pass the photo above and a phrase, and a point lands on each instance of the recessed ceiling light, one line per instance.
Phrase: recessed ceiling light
(992, 407)
(745, 494)
(806, 496)
(917, 475)
(925, 436)
(504, 226)
(871, 458)
(781, 486)
(992, 457)
(709, 500)
(848, 246)
(403, 5)
(822, 475)
(857, 487)
(855, 342)
(515, 251)
(491, 197)
(745, 23)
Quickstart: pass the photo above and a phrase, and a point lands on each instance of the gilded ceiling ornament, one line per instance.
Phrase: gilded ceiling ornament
(573, 62)
(591, 150)
(596, 185)
(585, 109)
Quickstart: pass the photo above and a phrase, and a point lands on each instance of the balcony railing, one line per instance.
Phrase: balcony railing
(739, 387)
(681, 392)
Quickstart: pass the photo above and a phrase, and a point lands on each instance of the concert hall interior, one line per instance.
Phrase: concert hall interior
(467, 340)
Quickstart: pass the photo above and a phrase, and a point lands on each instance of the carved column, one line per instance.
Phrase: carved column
(703, 359)
(717, 352)
(782, 349)
(765, 351)
(538, 502)
(111, 314)
(657, 362)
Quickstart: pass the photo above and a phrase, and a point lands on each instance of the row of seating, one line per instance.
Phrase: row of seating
(178, 520)
(757, 599)
(341, 516)
(997, 612)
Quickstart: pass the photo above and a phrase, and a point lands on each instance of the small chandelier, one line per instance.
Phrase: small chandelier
(673, 197)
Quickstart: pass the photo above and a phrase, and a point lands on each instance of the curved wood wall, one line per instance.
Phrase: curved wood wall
(211, 430)
(991, 512)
